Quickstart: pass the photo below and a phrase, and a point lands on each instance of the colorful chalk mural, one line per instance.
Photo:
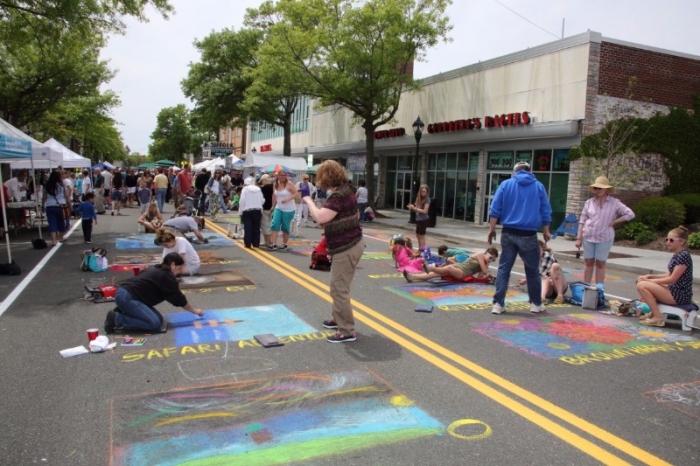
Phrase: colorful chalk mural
(459, 293)
(579, 339)
(236, 324)
(281, 420)
(145, 241)
(683, 397)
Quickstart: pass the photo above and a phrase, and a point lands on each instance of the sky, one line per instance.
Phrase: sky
(152, 58)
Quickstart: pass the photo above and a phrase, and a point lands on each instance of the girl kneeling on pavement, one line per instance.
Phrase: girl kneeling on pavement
(136, 298)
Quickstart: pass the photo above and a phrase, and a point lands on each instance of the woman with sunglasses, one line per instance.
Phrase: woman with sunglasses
(596, 231)
(283, 195)
(477, 264)
(554, 283)
(674, 287)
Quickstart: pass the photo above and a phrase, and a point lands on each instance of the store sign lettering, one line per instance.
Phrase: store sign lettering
(389, 133)
(496, 121)
(266, 148)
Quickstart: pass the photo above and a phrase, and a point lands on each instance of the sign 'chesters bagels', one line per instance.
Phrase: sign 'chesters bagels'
(496, 121)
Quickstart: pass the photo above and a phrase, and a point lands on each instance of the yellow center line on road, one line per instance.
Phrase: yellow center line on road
(363, 314)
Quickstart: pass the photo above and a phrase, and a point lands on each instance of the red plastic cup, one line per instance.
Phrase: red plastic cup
(92, 334)
(137, 271)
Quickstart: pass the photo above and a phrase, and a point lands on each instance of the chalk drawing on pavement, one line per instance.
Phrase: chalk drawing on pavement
(235, 324)
(280, 420)
(145, 241)
(580, 338)
(459, 293)
(684, 397)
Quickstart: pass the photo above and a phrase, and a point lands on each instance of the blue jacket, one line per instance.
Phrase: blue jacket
(521, 203)
(87, 210)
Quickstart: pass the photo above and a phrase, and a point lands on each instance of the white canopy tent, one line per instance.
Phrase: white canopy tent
(40, 152)
(70, 158)
(11, 149)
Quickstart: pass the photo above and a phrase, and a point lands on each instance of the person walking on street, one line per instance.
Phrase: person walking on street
(88, 215)
(421, 207)
(99, 191)
(250, 207)
(184, 182)
(285, 208)
(117, 193)
(522, 206)
(341, 222)
(267, 189)
(362, 199)
(597, 227)
(161, 182)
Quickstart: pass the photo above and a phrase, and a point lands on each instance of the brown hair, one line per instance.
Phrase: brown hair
(681, 231)
(419, 197)
(493, 252)
(163, 235)
(330, 174)
(153, 210)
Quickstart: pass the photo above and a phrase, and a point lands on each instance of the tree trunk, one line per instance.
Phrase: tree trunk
(287, 150)
(369, 166)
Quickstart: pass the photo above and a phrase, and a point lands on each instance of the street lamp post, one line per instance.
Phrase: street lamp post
(415, 182)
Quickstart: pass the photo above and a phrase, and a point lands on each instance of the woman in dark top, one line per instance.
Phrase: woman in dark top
(672, 287)
(136, 298)
(341, 224)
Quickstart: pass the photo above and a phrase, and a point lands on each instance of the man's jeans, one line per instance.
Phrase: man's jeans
(529, 250)
(160, 198)
(136, 315)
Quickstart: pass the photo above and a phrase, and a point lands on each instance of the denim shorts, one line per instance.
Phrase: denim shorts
(597, 251)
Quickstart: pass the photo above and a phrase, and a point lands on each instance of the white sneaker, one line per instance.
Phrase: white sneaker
(537, 309)
(497, 309)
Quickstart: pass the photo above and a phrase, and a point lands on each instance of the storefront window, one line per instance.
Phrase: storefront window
(500, 161)
(524, 156)
(543, 160)
(561, 160)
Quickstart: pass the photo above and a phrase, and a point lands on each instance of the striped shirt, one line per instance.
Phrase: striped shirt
(597, 219)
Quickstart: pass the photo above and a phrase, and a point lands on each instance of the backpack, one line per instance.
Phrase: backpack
(320, 261)
(94, 260)
(578, 295)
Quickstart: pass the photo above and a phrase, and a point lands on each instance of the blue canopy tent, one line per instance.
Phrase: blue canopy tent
(102, 165)
(12, 149)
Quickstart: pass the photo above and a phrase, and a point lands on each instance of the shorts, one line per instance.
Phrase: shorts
(283, 220)
(265, 222)
(117, 195)
(469, 267)
(597, 251)
(421, 227)
(131, 190)
(553, 292)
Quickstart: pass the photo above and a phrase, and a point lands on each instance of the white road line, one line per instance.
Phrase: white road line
(23, 284)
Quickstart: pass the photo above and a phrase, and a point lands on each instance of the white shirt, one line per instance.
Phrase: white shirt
(108, 179)
(16, 189)
(87, 185)
(251, 198)
(182, 246)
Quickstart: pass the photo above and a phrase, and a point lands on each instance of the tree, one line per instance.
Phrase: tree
(217, 85)
(357, 53)
(172, 136)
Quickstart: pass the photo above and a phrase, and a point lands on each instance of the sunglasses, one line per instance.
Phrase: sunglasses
(672, 240)
(597, 189)
(488, 254)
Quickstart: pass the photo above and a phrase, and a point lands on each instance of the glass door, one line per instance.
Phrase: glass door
(493, 181)
(403, 190)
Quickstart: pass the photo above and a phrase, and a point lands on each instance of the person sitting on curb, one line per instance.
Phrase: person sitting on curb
(553, 280)
(185, 225)
(477, 264)
(135, 298)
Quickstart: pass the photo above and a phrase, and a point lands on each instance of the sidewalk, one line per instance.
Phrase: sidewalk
(640, 261)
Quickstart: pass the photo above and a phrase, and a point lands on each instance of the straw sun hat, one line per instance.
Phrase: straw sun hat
(602, 182)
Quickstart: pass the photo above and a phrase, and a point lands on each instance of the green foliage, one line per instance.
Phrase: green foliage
(660, 213)
(694, 240)
(691, 202)
(631, 229)
(676, 136)
(355, 53)
(645, 237)
(172, 136)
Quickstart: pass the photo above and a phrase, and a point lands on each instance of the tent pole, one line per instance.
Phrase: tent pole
(36, 198)
(4, 219)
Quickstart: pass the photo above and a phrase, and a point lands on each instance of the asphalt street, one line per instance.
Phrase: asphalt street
(455, 386)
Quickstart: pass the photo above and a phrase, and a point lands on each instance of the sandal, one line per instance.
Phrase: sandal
(407, 277)
(559, 299)
(653, 323)
(425, 267)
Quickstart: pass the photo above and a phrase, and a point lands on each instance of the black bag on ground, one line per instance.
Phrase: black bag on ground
(10, 269)
(39, 244)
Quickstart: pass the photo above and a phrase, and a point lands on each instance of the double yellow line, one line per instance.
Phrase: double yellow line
(454, 364)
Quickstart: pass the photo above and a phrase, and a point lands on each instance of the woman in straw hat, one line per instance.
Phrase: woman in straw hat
(597, 227)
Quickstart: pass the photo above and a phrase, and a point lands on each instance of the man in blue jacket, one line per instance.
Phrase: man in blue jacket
(522, 206)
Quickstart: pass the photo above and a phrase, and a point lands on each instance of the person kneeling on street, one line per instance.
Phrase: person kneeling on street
(135, 298)
(186, 225)
(477, 264)
(179, 245)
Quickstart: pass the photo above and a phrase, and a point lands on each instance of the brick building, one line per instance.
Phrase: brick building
(481, 119)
